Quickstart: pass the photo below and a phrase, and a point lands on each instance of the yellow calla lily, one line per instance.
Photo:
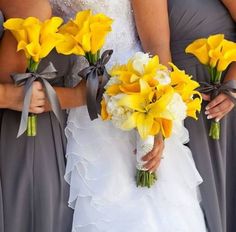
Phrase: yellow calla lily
(228, 55)
(15, 26)
(215, 46)
(200, 49)
(34, 37)
(88, 30)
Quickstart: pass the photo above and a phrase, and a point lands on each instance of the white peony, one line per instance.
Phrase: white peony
(113, 81)
(163, 77)
(177, 108)
(139, 60)
(119, 114)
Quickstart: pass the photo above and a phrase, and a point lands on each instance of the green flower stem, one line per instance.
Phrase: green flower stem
(32, 118)
(215, 130)
(145, 178)
(92, 58)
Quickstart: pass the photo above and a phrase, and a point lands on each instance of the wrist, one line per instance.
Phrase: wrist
(13, 97)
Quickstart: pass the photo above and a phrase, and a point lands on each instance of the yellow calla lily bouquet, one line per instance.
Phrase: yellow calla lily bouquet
(216, 53)
(144, 95)
(36, 39)
(85, 36)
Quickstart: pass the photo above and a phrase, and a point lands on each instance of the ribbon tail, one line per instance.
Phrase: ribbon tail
(92, 89)
(54, 102)
(105, 78)
(25, 111)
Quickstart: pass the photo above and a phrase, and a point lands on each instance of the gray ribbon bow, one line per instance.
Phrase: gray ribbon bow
(214, 90)
(27, 79)
(96, 77)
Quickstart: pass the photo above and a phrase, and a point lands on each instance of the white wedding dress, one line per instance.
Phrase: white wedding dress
(101, 162)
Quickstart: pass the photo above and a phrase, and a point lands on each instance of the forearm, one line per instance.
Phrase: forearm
(231, 73)
(10, 60)
(71, 97)
(11, 96)
(152, 24)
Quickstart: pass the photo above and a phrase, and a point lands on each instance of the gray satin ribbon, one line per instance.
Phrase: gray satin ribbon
(96, 77)
(27, 79)
(214, 90)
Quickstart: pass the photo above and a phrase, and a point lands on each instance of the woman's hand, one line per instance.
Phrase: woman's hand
(219, 106)
(153, 158)
(38, 99)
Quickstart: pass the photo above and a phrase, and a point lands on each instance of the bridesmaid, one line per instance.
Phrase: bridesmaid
(166, 28)
(34, 193)
(12, 97)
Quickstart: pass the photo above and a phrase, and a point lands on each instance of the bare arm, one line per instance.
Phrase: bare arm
(151, 17)
(10, 60)
(231, 6)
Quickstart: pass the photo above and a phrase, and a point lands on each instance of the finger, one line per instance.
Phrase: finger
(156, 158)
(218, 118)
(154, 168)
(220, 114)
(148, 156)
(216, 101)
(37, 85)
(206, 97)
(37, 110)
(220, 107)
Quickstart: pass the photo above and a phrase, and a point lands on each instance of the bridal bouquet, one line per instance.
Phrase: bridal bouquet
(85, 36)
(146, 96)
(36, 39)
(216, 53)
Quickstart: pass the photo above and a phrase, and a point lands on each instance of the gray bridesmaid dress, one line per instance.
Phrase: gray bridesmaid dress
(34, 192)
(190, 20)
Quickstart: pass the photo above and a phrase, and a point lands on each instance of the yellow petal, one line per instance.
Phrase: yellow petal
(34, 50)
(104, 113)
(134, 102)
(15, 25)
(69, 46)
(199, 48)
(49, 27)
(166, 127)
(144, 124)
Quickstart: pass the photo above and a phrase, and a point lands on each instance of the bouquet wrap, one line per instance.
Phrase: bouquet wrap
(143, 146)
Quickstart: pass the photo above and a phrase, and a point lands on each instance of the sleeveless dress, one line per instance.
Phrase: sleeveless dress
(215, 160)
(101, 164)
(33, 192)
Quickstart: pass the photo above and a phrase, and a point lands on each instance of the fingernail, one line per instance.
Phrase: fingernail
(207, 107)
(209, 117)
(206, 112)
(217, 120)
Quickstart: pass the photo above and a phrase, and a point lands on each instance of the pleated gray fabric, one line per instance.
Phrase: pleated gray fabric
(34, 192)
(190, 20)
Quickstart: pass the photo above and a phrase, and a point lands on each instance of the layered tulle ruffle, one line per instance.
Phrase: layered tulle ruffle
(103, 193)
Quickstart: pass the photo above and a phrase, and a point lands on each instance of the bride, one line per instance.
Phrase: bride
(101, 164)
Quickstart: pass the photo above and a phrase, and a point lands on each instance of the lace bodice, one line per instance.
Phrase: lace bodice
(123, 38)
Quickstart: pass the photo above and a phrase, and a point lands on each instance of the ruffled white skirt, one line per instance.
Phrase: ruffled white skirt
(103, 193)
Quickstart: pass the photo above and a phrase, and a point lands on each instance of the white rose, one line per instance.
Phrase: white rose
(163, 77)
(140, 59)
